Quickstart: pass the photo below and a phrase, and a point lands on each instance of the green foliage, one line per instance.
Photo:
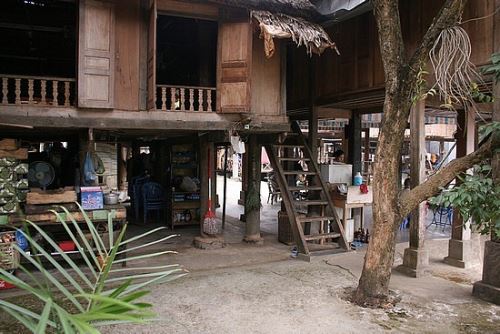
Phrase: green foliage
(494, 68)
(487, 129)
(480, 97)
(477, 198)
(421, 91)
(79, 299)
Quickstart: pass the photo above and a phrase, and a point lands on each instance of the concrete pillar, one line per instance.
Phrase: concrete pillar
(252, 214)
(416, 257)
(463, 249)
(489, 287)
(354, 143)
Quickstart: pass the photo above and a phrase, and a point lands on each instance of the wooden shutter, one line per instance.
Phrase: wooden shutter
(96, 56)
(234, 62)
(151, 104)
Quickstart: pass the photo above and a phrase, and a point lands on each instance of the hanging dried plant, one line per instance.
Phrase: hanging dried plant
(454, 72)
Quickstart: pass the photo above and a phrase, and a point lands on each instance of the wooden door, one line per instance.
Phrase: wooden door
(151, 103)
(96, 58)
(234, 65)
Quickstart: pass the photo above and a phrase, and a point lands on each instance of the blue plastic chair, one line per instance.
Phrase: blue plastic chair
(153, 199)
(443, 216)
(136, 194)
(405, 223)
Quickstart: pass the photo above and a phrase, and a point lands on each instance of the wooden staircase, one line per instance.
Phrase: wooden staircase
(306, 203)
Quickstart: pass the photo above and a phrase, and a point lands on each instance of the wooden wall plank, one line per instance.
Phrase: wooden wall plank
(266, 79)
(127, 20)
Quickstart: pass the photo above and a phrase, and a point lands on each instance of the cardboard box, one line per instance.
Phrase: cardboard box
(92, 198)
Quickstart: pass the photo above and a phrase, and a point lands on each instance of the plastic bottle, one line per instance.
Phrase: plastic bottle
(358, 179)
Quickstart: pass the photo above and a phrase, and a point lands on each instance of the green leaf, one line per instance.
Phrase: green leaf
(44, 318)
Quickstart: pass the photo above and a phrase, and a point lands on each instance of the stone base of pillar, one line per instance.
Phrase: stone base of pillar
(463, 253)
(486, 292)
(256, 240)
(415, 262)
(209, 242)
(489, 288)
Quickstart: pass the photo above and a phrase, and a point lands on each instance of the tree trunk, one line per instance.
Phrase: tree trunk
(400, 79)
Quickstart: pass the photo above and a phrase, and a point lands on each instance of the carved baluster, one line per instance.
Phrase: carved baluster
(66, 93)
(5, 90)
(55, 93)
(172, 99)
(200, 99)
(164, 98)
(30, 91)
(43, 91)
(183, 99)
(18, 91)
(209, 100)
(191, 99)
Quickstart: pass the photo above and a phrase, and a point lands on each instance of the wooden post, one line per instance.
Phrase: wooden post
(463, 252)
(252, 214)
(416, 258)
(226, 152)
(354, 142)
(122, 167)
(313, 132)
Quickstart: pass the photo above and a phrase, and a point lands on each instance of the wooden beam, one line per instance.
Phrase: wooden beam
(20, 154)
(330, 113)
(61, 117)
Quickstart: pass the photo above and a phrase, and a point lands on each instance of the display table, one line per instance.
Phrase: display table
(355, 199)
(99, 218)
(118, 213)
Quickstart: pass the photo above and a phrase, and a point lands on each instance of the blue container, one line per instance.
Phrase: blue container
(358, 179)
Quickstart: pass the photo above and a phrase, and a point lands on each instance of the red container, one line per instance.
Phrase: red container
(67, 246)
(6, 285)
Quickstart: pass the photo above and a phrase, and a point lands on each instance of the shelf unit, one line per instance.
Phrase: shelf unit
(184, 206)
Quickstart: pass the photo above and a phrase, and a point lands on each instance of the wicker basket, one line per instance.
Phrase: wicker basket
(9, 256)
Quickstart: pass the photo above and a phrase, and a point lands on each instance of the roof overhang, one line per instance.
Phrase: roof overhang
(302, 32)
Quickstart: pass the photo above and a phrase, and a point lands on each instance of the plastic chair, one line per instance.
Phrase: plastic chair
(274, 191)
(153, 199)
(136, 194)
(405, 224)
(443, 216)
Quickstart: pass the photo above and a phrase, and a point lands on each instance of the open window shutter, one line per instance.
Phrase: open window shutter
(234, 62)
(96, 54)
(152, 56)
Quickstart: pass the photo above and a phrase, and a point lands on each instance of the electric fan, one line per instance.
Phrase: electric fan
(40, 174)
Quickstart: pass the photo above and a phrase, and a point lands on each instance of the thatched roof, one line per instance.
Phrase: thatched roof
(302, 32)
(303, 8)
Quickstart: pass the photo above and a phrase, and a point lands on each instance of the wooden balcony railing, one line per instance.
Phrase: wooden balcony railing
(40, 91)
(185, 98)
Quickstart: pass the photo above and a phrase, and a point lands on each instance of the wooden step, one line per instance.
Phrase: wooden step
(314, 219)
(305, 188)
(298, 172)
(294, 159)
(312, 237)
(310, 203)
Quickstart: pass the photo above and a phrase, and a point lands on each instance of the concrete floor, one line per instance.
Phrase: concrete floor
(260, 289)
